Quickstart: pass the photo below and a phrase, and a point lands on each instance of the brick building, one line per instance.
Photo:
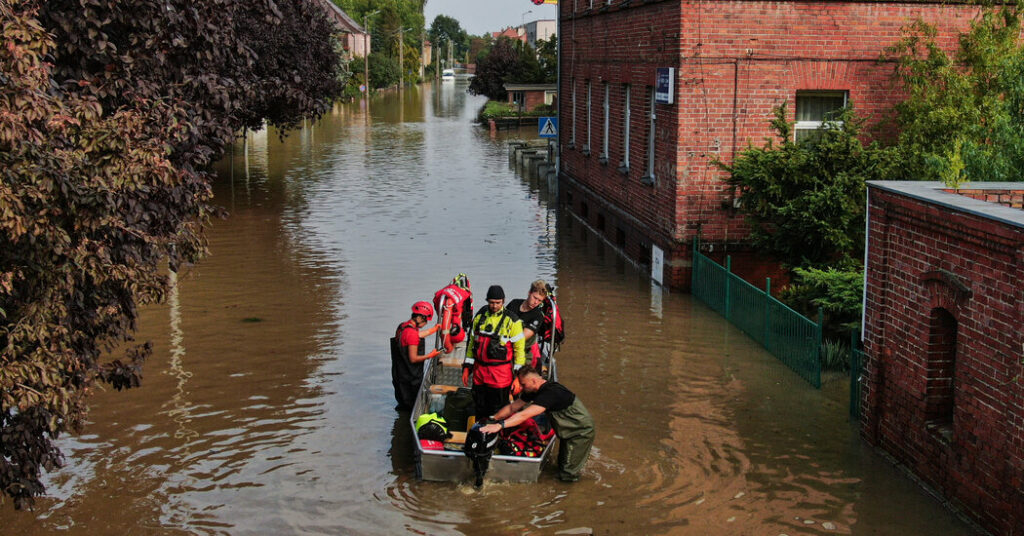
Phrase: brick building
(647, 180)
(943, 387)
(527, 97)
(355, 41)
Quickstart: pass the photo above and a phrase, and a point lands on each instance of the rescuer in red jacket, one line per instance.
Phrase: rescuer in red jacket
(455, 305)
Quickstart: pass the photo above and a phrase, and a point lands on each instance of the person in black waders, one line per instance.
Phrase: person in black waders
(572, 422)
(407, 355)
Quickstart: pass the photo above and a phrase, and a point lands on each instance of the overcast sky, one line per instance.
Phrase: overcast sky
(479, 16)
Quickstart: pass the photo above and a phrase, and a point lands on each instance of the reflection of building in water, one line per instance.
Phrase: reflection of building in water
(180, 413)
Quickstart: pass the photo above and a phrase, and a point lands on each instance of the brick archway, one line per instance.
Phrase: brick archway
(945, 290)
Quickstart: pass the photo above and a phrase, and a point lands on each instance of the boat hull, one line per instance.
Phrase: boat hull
(453, 465)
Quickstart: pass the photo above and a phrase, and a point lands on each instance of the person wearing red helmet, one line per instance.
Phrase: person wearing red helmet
(407, 355)
(455, 305)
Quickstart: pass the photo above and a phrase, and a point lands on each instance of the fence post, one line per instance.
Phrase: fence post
(728, 287)
(854, 377)
(767, 312)
(817, 351)
(693, 266)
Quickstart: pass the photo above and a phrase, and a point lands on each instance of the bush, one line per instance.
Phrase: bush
(805, 200)
(837, 291)
(835, 356)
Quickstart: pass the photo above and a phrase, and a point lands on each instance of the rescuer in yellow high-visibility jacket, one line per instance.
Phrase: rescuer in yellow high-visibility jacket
(496, 349)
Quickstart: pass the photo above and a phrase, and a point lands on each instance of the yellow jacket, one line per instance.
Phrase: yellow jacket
(505, 327)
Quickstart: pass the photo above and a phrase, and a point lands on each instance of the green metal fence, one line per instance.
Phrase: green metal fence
(785, 333)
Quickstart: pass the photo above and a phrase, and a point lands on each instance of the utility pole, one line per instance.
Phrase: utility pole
(366, 50)
(366, 54)
(401, 58)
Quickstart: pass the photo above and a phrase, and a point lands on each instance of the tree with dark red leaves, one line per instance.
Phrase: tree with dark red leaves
(110, 114)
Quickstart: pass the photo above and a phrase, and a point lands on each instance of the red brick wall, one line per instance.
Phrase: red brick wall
(735, 61)
(923, 259)
(1010, 198)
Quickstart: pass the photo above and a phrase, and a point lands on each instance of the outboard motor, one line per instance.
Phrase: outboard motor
(478, 449)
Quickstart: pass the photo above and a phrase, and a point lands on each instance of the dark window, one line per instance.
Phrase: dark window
(940, 387)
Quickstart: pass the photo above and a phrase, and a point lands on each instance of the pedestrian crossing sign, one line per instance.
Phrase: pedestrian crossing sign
(548, 127)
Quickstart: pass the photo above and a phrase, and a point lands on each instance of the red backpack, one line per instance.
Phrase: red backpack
(552, 319)
(525, 440)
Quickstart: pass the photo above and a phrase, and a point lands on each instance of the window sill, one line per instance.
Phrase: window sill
(602, 160)
(585, 151)
(649, 180)
(942, 432)
(572, 145)
(624, 169)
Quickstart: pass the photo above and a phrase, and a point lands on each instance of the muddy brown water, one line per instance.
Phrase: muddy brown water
(267, 405)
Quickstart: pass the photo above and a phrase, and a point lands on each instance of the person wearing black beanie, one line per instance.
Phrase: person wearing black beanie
(496, 349)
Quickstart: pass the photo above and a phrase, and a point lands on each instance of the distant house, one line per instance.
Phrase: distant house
(354, 39)
(527, 97)
(515, 34)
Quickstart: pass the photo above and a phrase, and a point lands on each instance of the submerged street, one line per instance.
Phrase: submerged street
(267, 406)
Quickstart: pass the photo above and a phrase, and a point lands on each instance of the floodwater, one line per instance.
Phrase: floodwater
(267, 405)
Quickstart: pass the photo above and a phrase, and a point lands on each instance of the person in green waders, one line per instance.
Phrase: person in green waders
(570, 419)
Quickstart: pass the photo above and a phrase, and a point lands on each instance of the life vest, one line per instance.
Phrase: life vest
(455, 305)
(489, 350)
(554, 327)
(432, 426)
(492, 353)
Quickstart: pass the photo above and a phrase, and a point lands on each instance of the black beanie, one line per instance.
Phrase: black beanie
(495, 293)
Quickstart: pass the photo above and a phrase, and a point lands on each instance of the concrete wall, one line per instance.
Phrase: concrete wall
(734, 62)
(943, 389)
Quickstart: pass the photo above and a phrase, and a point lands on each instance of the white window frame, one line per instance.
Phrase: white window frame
(627, 113)
(572, 138)
(607, 121)
(652, 119)
(586, 147)
(799, 126)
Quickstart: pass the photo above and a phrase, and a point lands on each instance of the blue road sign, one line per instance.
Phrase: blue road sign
(547, 127)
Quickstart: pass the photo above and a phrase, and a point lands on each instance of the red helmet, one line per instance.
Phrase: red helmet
(423, 308)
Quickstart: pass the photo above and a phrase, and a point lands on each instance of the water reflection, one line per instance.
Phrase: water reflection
(267, 406)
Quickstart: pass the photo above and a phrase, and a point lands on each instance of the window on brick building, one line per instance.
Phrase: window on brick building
(626, 113)
(940, 370)
(586, 146)
(648, 177)
(813, 109)
(604, 127)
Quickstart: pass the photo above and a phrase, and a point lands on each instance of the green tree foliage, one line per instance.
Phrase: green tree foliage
(506, 61)
(109, 114)
(547, 55)
(837, 291)
(805, 201)
(445, 31)
(385, 18)
(383, 70)
(963, 117)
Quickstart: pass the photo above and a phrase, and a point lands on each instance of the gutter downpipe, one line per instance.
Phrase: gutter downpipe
(867, 238)
(558, 94)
